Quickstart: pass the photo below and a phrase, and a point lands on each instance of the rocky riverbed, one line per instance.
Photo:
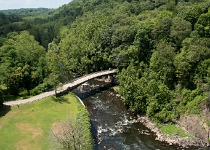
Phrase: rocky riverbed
(171, 139)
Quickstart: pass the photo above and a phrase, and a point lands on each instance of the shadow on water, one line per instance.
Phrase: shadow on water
(60, 100)
(94, 132)
(92, 92)
(4, 110)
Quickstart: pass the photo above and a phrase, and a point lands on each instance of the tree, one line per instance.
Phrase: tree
(132, 88)
(194, 50)
(20, 56)
(143, 41)
(74, 133)
(158, 101)
(180, 30)
(193, 14)
(203, 25)
(58, 66)
(161, 64)
(202, 75)
(162, 29)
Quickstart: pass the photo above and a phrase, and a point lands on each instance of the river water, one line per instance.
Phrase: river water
(111, 122)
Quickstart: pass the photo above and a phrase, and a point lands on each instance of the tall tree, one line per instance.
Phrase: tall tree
(180, 30)
(161, 64)
(20, 56)
(58, 65)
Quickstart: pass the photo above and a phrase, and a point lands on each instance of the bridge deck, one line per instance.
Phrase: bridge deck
(65, 87)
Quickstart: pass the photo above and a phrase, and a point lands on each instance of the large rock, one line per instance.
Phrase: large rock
(198, 125)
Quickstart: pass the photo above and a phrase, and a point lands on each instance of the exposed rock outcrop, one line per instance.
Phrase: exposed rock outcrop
(174, 139)
(198, 125)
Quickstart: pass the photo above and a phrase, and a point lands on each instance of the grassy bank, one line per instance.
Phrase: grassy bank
(29, 126)
(171, 129)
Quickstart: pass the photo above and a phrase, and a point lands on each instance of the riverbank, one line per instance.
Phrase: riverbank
(170, 139)
(187, 141)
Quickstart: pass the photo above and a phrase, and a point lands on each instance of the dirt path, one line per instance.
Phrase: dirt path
(74, 83)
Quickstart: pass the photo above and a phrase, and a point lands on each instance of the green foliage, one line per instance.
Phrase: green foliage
(193, 106)
(161, 49)
(21, 63)
(75, 133)
(143, 41)
(159, 97)
(161, 64)
(202, 25)
(161, 30)
(194, 50)
(26, 12)
(43, 87)
(23, 93)
(180, 30)
(58, 66)
(133, 92)
(202, 78)
(190, 101)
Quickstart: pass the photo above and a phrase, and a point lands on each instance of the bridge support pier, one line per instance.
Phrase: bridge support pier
(110, 79)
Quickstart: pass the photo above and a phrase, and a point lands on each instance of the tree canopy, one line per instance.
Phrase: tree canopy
(160, 47)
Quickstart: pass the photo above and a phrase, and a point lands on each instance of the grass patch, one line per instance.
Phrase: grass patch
(172, 129)
(29, 126)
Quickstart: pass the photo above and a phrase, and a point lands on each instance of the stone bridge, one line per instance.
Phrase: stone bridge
(64, 89)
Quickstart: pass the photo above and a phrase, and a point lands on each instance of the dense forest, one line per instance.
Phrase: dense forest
(26, 12)
(161, 49)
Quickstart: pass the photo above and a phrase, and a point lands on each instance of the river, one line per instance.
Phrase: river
(112, 124)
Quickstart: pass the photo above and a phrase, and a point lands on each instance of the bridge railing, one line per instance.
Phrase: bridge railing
(69, 88)
(113, 70)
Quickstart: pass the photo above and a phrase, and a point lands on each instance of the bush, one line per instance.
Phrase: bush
(39, 89)
(23, 93)
(190, 101)
(193, 106)
(35, 91)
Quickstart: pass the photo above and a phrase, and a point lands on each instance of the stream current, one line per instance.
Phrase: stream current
(112, 124)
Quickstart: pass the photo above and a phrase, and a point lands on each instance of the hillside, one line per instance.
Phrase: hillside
(161, 49)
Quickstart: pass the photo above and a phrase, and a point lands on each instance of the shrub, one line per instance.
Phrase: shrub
(39, 89)
(23, 93)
